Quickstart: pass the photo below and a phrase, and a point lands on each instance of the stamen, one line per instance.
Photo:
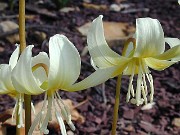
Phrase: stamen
(145, 85)
(152, 88)
(64, 108)
(147, 75)
(38, 117)
(20, 111)
(53, 96)
(128, 95)
(130, 88)
(141, 87)
(133, 101)
(59, 118)
(57, 101)
(143, 82)
(33, 109)
(138, 88)
(143, 93)
(19, 104)
(35, 122)
(61, 123)
(15, 109)
(65, 112)
(21, 116)
(42, 109)
(132, 91)
(48, 115)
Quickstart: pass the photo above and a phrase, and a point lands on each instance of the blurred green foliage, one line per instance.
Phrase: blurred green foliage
(60, 3)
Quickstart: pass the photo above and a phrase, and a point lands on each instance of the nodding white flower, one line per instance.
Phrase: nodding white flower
(146, 49)
(34, 75)
(6, 86)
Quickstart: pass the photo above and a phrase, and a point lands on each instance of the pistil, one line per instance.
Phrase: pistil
(141, 87)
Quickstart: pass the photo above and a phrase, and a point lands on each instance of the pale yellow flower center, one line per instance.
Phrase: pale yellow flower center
(143, 76)
(138, 67)
(52, 98)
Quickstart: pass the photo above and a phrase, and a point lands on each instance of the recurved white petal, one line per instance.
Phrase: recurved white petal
(14, 57)
(158, 64)
(42, 57)
(96, 78)
(22, 77)
(171, 54)
(6, 86)
(40, 73)
(99, 50)
(172, 41)
(149, 38)
(64, 62)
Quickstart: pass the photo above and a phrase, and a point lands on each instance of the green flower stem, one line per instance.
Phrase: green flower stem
(116, 105)
(22, 34)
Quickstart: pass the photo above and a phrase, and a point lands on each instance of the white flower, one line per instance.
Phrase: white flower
(6, 86)
(146, 49)
(34, 75)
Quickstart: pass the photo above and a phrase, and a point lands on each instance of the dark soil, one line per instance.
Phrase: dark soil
(132, 120)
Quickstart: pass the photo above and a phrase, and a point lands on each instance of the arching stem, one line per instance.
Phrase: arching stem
(116, 105)
(118, 87)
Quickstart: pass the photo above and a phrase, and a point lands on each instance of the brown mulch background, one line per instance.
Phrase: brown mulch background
(98, 115)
